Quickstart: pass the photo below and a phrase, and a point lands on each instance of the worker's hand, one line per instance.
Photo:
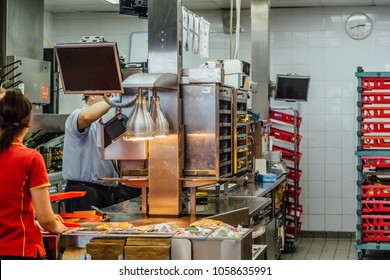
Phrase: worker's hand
(59, 218)
(60, 224)
(116, 98)
(61, 227)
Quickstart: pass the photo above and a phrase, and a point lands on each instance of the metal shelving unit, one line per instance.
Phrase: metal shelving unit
(240, 131)
(373, 162)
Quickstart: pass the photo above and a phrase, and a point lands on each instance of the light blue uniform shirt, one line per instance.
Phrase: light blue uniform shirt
(82, 157)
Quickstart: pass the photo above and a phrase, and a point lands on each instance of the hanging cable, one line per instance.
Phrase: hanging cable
(238, 24)
(120, 105)
(231, 29)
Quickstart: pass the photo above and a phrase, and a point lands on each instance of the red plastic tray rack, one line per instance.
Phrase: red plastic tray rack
(285, 136)
(283, 117)
(372, 191)
(371, 206)
(375, 83)
(375, 112)
(375, 235)
(290, 193)
(375, 97)
(375, 221)
(288, 155)
(372, 142)
(292, 174)
(375, 161)
(291, 211)
(375, 127)
(290, 229)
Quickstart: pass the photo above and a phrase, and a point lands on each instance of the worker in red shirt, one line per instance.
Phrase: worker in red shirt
(24, 195)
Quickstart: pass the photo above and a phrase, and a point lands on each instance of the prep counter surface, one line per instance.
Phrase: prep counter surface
(131, 210)
(232, 210)
(257, 189)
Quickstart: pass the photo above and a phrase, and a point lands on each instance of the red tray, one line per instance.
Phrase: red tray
(290, 229)
(371, 206)
(372, 142)
(374, 191)
(375, 83)
(75, 219)
(285, 136)
(376, 235)
(376, 161)
(375, 127)
(66, 195)
(376, 97)
(369, 112)
(291, 211)
(375, 221)
(283, 117)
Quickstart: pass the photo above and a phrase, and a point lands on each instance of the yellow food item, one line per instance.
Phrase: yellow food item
(105, 226)
(210, 223)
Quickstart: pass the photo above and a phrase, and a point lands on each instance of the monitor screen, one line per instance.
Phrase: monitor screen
(292, 87)
(89, 68)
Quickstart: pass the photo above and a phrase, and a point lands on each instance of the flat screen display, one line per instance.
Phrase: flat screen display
(292, 87)
(89, 68)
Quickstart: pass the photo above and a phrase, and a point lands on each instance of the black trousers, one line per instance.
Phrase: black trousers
(96, 195)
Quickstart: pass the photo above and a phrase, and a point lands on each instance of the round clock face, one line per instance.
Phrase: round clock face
(358, 26)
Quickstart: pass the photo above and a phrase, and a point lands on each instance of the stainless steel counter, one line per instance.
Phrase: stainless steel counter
(216, 207)
(257, 189)
(261, 189)
(237, 208)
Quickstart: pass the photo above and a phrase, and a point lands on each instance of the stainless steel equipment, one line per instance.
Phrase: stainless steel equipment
(207, 115)
(216, 126)
(32, 76)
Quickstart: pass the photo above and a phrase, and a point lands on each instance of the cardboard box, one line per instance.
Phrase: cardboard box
(106, 249)
(147, 252)
(234, 80)
(232, 66)
(147, 248)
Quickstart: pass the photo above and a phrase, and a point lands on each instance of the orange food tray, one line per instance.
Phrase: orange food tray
(66, 195)
(75, 219)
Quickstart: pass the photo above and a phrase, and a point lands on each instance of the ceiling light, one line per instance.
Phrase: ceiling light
(140, 125)
(162, 125)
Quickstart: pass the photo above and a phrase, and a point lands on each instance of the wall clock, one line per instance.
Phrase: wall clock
(358, 26)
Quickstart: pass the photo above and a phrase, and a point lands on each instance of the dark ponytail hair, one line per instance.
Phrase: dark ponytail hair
(15, 115)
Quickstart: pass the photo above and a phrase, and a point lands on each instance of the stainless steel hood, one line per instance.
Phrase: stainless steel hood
(151, 80)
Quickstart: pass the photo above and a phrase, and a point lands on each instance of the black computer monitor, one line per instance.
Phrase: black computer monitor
(89, 68)
(292, 87)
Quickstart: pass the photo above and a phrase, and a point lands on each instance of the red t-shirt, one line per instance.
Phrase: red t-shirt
(21, 171)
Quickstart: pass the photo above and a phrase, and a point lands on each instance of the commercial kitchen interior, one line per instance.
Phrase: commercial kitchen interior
(306, 37)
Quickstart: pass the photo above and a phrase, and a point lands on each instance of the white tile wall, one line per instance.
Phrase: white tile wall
(333, 222)
(307, 41)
